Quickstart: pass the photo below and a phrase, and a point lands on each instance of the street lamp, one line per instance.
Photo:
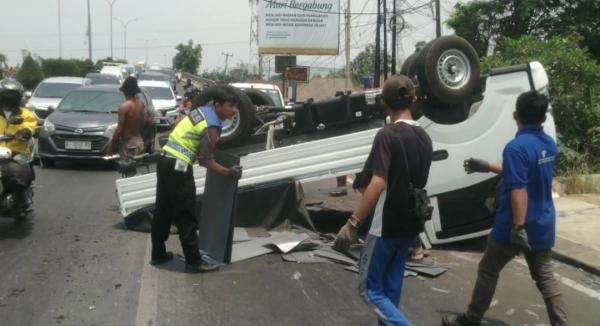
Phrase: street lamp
(125, 34)
(111, 3)
(59, 33)
(147, 48)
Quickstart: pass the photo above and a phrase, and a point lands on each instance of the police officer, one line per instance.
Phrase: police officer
(17, 174)
(193, 138)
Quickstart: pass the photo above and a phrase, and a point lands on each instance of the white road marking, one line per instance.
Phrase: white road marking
(532, 313)
(440, 290)
(148, 299)
(510, 311)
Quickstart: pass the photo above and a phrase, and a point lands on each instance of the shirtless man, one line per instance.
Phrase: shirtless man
(127, 137)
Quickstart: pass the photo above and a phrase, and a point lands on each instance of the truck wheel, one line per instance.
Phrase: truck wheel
(409, 67)
(259, 98)
(448, 69)
(236, 131)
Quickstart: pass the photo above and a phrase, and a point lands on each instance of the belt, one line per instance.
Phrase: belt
(167, 155)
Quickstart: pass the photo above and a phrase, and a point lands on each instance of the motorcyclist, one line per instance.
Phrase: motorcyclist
(17, 174)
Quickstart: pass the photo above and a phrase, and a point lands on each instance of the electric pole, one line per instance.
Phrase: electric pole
(377, 70)
(385, 37)
(59, 33)
(348, 80)
(438, 20)
(227, 55)
(394, 33)
(89, 30)
(111, 3)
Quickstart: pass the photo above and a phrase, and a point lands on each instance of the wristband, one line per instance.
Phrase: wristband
(354, 221)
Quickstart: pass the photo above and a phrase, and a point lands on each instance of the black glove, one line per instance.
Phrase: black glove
(519, 240)
(235, 172)
(476, 165)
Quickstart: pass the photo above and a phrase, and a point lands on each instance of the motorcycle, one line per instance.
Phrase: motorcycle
(8, 200)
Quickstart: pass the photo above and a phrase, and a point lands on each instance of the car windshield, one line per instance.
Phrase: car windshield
(159, 93)
(154, 77)
(274, 95)
(92, 101)
(54, 90)
(100, 79)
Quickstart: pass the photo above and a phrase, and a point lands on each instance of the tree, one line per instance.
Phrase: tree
(60, 67)
(575, 98)
(2, 63)
(364, 64)
(30, 73)
(484, 23)
(188, 57)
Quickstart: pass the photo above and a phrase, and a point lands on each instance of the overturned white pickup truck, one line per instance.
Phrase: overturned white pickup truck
(463, 203)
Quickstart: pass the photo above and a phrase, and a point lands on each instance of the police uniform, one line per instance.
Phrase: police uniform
(192, 138)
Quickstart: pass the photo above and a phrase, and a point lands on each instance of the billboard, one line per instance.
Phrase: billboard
(298, 73)
(299, 27)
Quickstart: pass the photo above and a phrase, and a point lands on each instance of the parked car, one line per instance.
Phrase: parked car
(51, 91)
(115, 69)
(102, 79)
(83, 124)
(161, 93)
(153, 76)
(166, 71)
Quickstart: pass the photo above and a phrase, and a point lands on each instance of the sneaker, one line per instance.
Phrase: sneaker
(201, 267)
(161, 260)
(460, 320)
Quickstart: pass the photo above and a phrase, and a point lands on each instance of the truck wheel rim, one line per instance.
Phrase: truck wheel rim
(454, 69)
(230, 126)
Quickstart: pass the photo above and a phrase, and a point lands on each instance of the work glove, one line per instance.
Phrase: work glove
(235, 172)
(476, 165)
(519, 240)
(345, 237)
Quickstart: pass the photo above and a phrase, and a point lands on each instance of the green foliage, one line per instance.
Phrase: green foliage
(364, 64)
(574, 77)
(60, 67)
(188, 57)
(486, 22)
(30, 74)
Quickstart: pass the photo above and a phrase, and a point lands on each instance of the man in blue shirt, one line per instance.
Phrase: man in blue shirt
(525, 220)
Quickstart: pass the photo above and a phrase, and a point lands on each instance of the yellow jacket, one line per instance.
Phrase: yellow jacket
(30, 123)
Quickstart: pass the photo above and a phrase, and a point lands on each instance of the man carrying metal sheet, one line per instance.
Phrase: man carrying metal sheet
(399, 162)
(194, 138)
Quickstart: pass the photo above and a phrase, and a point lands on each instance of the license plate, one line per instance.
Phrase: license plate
(78, 145)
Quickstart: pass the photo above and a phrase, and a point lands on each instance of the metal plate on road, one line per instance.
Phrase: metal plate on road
(78, 145)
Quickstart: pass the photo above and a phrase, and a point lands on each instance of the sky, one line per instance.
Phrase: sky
(220, 26)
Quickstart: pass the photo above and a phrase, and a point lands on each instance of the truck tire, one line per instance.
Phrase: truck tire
(448, 69)
(259, 98)
(237, 131)
(409, 67)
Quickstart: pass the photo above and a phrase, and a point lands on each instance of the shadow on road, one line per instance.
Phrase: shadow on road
(11, 229)
(82, 166)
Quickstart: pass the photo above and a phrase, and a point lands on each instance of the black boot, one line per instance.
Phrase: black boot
(23, 201)
(460, 320)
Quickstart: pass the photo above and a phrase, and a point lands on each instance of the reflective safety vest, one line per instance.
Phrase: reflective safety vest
(185, 140)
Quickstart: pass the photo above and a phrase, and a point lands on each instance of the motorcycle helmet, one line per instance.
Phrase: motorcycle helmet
(11, 92)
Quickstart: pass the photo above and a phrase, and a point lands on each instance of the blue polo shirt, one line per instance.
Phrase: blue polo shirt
(528, 162)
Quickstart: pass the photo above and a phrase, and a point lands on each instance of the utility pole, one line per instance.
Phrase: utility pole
(59, 33)
(227, 55)
(348, 80)
(385, 37)
(377, 70)
(111, 3)
(147, 49)
(438, 20)
(89, 30)
(125, 35)
(394, 34)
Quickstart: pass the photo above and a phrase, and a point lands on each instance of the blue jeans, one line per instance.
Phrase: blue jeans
(381, 276)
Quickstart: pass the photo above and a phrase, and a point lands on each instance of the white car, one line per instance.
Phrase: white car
(115, 70)
(162, 95)
(51, 91)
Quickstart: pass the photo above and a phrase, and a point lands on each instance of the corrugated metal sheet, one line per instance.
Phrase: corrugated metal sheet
(310, 161)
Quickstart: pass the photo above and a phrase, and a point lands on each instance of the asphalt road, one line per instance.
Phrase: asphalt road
(74, 264)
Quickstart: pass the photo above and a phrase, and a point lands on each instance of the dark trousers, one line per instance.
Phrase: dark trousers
(175, 201)
(494, 259)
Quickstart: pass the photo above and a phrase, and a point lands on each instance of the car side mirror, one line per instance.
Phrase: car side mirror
(51, 109)
(178, 97)
(28, 94)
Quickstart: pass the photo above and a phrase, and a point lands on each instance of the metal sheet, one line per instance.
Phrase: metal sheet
(215, 221)
(304, 257)
(285, 241)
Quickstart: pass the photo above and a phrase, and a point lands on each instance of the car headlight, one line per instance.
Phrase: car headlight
(48, 126)
(111, 129)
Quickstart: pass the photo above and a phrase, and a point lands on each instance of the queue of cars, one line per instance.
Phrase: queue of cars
(79, 115)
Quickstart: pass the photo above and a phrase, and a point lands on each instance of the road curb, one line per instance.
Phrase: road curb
(564, 257)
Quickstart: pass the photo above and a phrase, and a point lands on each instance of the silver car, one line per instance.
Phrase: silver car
(51, 91)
